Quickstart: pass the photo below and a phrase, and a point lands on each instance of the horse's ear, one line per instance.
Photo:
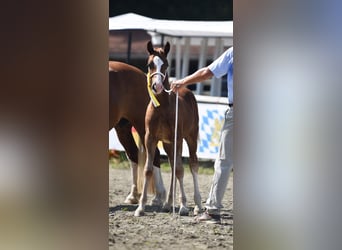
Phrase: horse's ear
(167, 48)
(150, 47)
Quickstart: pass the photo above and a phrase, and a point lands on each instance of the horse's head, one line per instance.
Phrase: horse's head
(157, 64)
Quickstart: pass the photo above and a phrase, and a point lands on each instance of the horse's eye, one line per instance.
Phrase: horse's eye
(150, 65)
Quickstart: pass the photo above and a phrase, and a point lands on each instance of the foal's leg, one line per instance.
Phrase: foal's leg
(160, 195)
(133, 196)
(167, 204)
(158, 189)
(123, 130)
(193, 162)
(183, 210)
(148, 172)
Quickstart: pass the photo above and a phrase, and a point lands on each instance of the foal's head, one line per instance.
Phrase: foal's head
(157, 65)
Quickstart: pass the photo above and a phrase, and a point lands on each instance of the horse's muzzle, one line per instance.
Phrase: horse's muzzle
(157, 88)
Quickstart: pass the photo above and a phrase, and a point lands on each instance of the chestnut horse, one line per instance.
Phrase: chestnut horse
(160, 126)
(128, 99)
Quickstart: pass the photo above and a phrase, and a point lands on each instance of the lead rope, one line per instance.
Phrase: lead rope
(174, 152)
(174, 155)
(156, 104)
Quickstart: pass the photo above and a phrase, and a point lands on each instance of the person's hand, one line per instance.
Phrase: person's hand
(175, 85)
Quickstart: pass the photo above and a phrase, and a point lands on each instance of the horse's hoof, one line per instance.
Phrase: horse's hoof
(131, 200)
(139, 212)
(197, 210)
(163, 196)
(157, 202)
(183, 211)
(166, 209)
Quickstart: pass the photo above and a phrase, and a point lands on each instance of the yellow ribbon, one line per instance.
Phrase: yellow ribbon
(149, 89)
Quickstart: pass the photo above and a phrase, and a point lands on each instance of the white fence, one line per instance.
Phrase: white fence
(211, 116)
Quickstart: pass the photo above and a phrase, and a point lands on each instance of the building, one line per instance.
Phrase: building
(194, 44)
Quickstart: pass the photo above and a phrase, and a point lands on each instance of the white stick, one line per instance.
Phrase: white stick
(174, 155)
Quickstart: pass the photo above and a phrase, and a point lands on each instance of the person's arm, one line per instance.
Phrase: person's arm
(198, 76)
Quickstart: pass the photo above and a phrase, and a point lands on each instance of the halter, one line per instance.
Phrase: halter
(149, 87)
(158, 73)
(150, 92)
(163, 76)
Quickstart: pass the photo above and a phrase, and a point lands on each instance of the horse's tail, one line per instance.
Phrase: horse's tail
(140, 178)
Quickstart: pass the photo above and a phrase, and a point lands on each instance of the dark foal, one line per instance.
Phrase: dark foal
(128, 99)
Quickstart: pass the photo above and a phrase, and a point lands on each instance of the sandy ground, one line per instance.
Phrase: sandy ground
(158, 230)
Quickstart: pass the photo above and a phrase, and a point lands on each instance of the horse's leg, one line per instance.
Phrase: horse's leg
(183, 210)
(160, 195)
(193, 163)
(158, 190)
(167, 204)
(123, 130)
(148, 172)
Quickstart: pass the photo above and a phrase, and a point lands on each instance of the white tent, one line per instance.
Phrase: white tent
(173, 28)
(182, 34)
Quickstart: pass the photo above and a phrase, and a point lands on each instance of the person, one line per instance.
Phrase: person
(223, 65)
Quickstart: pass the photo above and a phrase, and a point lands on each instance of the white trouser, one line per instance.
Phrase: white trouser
(223, 164)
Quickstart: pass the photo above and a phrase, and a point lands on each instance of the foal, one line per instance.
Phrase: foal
(160, 126)
(127, 83)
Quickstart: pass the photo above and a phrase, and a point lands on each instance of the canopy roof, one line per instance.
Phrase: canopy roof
(182, 35)
(173, 28)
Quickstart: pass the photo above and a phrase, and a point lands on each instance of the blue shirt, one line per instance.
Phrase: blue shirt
(224, 66)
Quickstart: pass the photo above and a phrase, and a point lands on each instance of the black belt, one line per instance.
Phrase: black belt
(230, 105)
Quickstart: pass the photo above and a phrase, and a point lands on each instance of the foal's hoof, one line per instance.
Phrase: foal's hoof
(183, 211)
(159, 199)
(157, 202)
(139, 212)
(197, 210)
(131, 200)
(166, 208)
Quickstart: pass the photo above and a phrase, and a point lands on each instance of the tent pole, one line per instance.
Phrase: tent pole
(215, 87)
(129, 48)
(178, 58)
(162, 40)
(202, 62)
(186, 59)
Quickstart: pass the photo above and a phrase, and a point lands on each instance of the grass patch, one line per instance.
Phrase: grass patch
(205, 167)
(119, 161)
